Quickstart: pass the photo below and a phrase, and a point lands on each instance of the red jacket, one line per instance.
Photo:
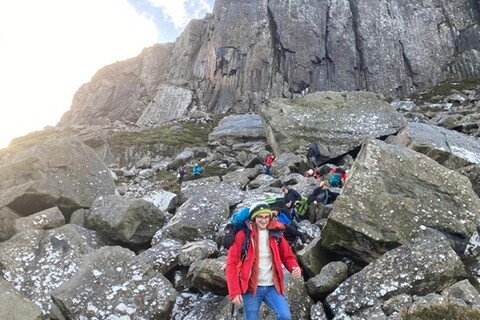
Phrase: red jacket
(243, 277)
(269, 160)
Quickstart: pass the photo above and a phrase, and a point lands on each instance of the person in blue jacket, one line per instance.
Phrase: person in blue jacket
(196, 170)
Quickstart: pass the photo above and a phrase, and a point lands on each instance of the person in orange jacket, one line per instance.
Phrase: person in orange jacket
(258, 276)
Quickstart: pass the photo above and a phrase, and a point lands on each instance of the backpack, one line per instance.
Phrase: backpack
(302, 207)
(238, 221)
(335, 181)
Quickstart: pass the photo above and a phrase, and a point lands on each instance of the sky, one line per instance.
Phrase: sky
(49, 48)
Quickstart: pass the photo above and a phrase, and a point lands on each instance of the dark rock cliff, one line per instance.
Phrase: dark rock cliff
(247, 52)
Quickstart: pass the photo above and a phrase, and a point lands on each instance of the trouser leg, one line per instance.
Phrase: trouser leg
(277, 303)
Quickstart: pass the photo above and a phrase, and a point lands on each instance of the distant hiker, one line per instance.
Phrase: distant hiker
(313, 154)
(196, 170)
(337, 177)
(180, 175)
(292, 198)
(268, 163)
(256, 276)
(312, 174)
(335, 180)
(291, 231)
(318, 199)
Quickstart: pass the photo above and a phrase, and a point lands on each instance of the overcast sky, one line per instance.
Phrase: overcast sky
(49, 48)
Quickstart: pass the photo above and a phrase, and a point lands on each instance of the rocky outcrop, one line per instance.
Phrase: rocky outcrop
(121, 91)
(337, 121)
(169, 103)
(131, 221)
(418, 268)
(391, 196)
(35, 262)
(245, 53)
(63, 172)
(110, 283)
(449, 148)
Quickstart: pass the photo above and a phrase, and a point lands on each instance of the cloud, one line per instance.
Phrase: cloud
(49, 48)
(180, 12)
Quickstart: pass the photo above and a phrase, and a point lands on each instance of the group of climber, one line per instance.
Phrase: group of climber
(257, 250)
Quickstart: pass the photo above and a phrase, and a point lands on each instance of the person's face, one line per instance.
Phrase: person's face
(285, 190)
(262, 221)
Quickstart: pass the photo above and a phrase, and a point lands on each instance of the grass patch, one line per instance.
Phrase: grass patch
(437, 93)
(174, 137)
(443, 312)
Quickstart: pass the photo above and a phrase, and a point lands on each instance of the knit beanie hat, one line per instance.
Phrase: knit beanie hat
(259, 208)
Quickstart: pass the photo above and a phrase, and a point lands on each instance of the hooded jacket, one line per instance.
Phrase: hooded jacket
(242, 276)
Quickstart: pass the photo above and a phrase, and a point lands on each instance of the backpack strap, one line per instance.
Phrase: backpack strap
(245, 244)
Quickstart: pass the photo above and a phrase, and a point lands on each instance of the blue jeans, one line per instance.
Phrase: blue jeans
(274, 300)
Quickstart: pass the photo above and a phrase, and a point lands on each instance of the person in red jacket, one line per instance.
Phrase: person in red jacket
(268, 163)
(258, 276)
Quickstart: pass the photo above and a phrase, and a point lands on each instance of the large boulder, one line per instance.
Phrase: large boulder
(238, 128)
(450, 148)
(131, 221)
(163, 256)
(337, 121)
(15, 307)
(62, 172)
(111, 284)
(199, 218)
(35, 262)
(391, 196)
(417, 268)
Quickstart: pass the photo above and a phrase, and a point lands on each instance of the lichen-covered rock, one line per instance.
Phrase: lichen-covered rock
(170, 102)
(133, 221)
(337, 121)
(450, 148)
(417, 268)
(47, 219)
(198, 218)
(110, 283)
(163, 257)
(35, 262)
(63, 172)
(392, 195)
(209, 275)
(238, 128)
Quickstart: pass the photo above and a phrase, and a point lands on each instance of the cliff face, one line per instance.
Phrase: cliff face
(249, 51)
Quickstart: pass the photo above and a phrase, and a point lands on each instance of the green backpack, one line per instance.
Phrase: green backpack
(302, 207)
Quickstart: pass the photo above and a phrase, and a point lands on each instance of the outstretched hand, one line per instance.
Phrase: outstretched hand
(296, 272)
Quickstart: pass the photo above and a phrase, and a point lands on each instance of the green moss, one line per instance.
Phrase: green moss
(443, 312)
(441, 90)
(174, 137)
(168, 181)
